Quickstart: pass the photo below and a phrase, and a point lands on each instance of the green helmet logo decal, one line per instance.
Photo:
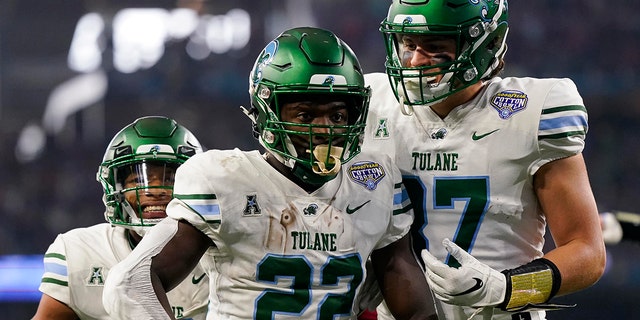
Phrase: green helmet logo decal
(264, 59)
(329, 81)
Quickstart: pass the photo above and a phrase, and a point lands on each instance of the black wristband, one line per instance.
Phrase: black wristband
(533, 283)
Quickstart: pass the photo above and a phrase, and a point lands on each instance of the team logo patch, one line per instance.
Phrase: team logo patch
(509, 102)
(439, 134)
(252, 208)
(310, 210)
(329, 81)
(366, 173)
(382, 129)
(96, 277)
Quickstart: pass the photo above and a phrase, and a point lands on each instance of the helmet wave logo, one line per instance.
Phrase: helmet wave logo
(484, 14)
(329, 81)
(265, 58)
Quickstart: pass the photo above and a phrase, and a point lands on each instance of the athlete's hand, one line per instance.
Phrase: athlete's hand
(472, 284)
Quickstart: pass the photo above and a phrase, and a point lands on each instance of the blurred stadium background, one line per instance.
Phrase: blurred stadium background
(74, 72)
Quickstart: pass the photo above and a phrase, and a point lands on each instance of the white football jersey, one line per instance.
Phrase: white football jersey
(470, 175)
(283, 253)
(77, 264)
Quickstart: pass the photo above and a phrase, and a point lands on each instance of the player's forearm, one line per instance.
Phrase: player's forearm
(565, 197)
(408, 298)
(402, 282)
(580, 263)
(161, 294)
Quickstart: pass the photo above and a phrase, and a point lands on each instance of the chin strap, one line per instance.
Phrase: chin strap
(498, 13)
(406, 109)
(332, 155)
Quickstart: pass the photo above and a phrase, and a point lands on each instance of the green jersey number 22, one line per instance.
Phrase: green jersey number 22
(298, 271)
(446, 190)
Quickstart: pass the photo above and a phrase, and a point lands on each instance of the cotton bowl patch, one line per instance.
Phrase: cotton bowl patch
(367, 173)
(509, 102)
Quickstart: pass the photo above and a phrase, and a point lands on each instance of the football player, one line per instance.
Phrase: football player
(489, 163)
(291, 228)
(137, 176)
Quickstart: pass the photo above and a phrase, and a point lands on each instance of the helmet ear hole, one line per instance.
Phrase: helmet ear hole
(493, 44)
(498, 69)
(497, 41)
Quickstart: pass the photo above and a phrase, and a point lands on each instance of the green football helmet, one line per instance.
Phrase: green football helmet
(308, 61)
(479, 28)
(140, 162)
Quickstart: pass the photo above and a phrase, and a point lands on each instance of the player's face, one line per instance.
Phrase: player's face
(154, 185)
(421, 50)
(321, 115)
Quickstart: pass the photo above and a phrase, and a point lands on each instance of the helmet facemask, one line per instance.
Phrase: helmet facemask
(314, 152)
(138, 170)
(423, 83)
(478, 29)
(143, 188)
(308, 64)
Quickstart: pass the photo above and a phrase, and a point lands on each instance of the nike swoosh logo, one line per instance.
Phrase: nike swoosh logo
(350, 211)
(195, 280)
(478, 137)
(475, 287)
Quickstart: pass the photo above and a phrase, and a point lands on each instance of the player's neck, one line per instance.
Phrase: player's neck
(133, 237)
(443, 108)
(286, 171)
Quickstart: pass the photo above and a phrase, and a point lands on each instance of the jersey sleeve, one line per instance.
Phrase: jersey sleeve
(55, 280)
(379, 134)
(563, 124)
(402, 214)
(194, 199)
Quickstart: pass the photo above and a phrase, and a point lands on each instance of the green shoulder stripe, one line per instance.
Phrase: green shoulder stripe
(562, 135)
(56, 255)
(564, 108)
(55, 281)
(209, 196)
(401, 210)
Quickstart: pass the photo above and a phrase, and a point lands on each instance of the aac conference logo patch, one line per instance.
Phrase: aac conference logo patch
(367, 174)
(509, 102)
